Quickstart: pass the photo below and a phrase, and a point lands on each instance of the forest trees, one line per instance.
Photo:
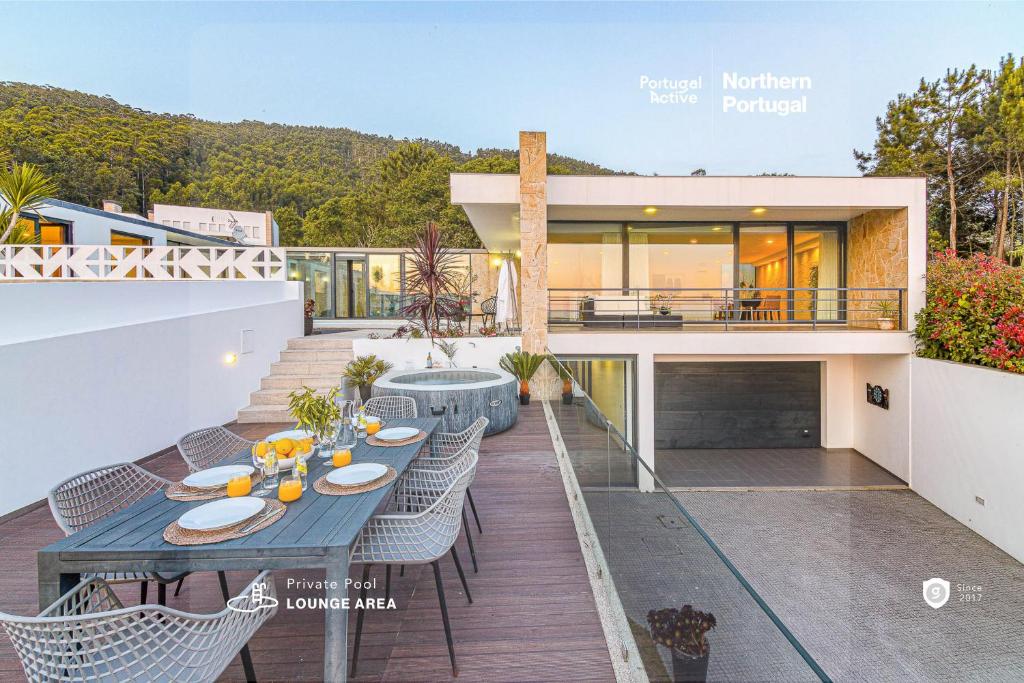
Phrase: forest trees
(965, 132)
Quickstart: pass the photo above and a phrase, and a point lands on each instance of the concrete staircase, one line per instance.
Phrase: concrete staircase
(315, 361)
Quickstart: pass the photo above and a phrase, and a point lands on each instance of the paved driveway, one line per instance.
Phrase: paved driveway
(844, 569)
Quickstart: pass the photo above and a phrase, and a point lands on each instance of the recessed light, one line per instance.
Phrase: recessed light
(770, 241)
(758, 210)
(693, 241)
(650, 210)
(716, 229)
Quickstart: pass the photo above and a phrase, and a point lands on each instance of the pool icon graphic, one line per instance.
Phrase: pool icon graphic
(258, 599)
(936, 592)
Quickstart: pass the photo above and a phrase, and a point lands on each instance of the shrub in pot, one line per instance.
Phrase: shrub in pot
(307, 318)
(886, 314)
(363, 371)
(684, 632)
(566, 377)
(524, 366)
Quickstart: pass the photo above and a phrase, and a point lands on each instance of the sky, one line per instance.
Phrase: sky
(474, 74)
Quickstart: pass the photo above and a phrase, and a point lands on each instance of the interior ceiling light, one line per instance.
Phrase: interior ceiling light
(758, 210)
(693, 241)
(650, 210)
(716, 229)
(770, 241)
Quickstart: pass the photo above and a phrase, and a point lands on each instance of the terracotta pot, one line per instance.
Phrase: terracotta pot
(886, 323)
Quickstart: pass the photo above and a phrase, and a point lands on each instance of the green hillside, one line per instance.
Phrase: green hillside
(327, 186)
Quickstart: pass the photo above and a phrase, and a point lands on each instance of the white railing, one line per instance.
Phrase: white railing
(106, 262)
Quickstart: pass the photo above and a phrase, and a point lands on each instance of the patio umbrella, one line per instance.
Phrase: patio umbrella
(506, 309)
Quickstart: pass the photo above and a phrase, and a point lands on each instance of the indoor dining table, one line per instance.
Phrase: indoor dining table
(316, 532)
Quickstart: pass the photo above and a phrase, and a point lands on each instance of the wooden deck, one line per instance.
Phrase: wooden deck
(533, 616)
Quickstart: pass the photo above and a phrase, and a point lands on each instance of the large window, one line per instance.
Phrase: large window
(680, 256)
(313, 269)
(385, 285)
(816, 265)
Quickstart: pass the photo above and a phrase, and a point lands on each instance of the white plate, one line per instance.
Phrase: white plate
(216, 476)
(354, 475)
(294, 434)
(221, 513)
(397, 433)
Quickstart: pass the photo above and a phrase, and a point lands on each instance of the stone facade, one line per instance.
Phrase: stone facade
(533, 231)
(876, 257)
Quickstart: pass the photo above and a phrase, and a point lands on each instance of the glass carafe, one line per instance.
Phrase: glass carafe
(347, 435)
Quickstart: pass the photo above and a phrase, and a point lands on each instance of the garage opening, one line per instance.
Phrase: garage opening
(737, 405)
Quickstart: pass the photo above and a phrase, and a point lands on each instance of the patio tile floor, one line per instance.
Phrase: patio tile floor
(533, 616)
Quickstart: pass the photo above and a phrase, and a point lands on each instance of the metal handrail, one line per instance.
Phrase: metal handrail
(631, 452)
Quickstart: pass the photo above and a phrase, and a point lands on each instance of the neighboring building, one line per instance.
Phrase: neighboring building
(254, 228)
(719, 312)
(60, 222)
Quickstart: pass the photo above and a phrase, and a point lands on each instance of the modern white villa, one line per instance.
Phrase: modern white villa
(730, 434)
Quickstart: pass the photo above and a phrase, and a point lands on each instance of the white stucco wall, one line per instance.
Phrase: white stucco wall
(137, 365)
(968, 442)
(883, 435)
(481, 352)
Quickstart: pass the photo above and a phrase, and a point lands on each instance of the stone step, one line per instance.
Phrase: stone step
(304, 355)
(267, 413)
(320, 342)
(298, 381)
(324, 367)
(277, 397)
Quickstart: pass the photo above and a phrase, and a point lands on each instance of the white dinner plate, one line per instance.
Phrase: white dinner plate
(397, 433)
(354, 475)
(293, 434)
(221, 513)
(216, 476)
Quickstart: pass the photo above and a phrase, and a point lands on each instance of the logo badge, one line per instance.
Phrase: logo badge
(258, 599)
(936, 592)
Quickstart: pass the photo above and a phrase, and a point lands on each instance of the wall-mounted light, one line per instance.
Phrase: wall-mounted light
(497, 261)
(650, 210)
(519, 254)
(758, 210)
(230, 358)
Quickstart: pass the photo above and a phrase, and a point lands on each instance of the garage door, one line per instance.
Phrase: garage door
(737, 405)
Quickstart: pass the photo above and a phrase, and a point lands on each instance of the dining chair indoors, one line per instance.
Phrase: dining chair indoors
(88, 635)
(85, 499)
(422, 532)
(390, 407)
(208, 446)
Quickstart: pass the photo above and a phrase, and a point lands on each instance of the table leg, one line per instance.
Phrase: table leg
(250, 672)
(336, 620)
(52, 582)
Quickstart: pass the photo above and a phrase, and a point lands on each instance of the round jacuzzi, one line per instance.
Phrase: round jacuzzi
(457, 396)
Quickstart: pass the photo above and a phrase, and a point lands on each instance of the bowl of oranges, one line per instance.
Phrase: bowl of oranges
(289, 444)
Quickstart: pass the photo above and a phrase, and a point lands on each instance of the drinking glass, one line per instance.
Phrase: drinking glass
(269, 466)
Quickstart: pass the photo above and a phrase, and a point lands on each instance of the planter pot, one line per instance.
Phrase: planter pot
(689, 669)
(308, 323)
(665, 311)
(886, 323)
(567, 398)
(365, 392)
(524, 399)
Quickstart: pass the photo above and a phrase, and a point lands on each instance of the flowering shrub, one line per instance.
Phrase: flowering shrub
(974, 312)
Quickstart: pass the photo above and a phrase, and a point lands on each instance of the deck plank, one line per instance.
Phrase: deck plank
(533, 616)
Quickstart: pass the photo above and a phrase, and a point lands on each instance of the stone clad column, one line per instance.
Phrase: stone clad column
(533, 239)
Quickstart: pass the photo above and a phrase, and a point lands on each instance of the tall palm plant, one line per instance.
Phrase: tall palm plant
(432, 280)
(24, 188)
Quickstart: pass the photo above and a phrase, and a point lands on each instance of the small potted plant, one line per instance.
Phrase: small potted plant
(524, 366)
(315, 412)
(488, 331)
(363, 371)
(661, 303)
(449, 349)
(307, 319)
(886, 314)
(684, 632)
(563, 374)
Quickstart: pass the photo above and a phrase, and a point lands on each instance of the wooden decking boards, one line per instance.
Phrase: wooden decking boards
(533, 616)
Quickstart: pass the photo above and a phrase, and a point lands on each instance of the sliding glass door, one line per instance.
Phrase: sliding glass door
(816, 273)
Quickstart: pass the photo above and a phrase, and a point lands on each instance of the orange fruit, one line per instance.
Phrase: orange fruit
(284, 446)
(261, 449)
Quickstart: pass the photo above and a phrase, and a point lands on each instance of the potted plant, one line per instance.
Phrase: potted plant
(566, 377)
(316, 413)
(432, 282)
(684, 632)
(363, 371)
(449, 349)
(307, 318)
(886, 314)
(661, 302)
(524, 366)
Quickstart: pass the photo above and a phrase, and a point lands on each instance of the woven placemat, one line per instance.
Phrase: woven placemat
(374, 441)
(325, 487)
(175, 535)
(179, 491)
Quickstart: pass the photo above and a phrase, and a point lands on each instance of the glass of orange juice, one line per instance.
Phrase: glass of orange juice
(240, 486)
(289, 489)
(342, 458)
(372, 425)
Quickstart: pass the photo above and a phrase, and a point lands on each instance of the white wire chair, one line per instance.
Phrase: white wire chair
(390, 407)
(207, 446)
(88, 635)
(421, 533)
(84, 499)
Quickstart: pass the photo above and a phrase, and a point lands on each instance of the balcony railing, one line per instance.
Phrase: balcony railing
(804, 307)
(107, 262)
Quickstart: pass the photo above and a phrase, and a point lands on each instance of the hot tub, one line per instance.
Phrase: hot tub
(457, 396)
